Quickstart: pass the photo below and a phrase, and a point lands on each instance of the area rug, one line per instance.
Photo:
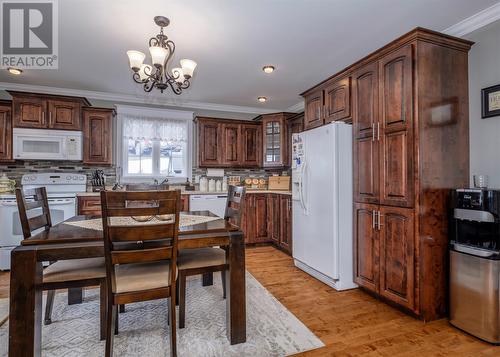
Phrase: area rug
(272, 330)
(4, 311)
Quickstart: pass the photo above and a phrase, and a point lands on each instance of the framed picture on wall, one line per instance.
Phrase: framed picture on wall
(490, 101)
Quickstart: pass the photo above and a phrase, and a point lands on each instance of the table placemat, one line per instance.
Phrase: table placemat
(185, 220)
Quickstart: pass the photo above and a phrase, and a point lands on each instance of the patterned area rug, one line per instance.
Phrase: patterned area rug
(272, 330)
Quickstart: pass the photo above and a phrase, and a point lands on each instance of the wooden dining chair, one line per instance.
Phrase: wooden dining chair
(209, 260)
(63, 274)
(140, 245)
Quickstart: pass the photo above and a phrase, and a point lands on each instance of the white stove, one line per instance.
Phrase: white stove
(61, 191)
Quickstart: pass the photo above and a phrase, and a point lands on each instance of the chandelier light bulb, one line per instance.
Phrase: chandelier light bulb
(135, 59)
(158, 55)
(178, 74)
(188, 67)
(145, 71)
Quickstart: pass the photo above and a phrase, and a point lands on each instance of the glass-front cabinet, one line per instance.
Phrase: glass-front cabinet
(275, 140)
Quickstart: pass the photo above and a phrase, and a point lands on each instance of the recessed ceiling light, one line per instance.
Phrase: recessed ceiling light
(268, 69)
(15, 71)
(262, 99)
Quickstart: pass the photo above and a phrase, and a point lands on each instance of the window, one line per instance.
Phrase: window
(155, 144)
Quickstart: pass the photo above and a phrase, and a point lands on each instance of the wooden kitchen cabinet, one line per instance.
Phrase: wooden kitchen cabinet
(64, 114)
(251, 141)
(185, 203)
(228, 143)
(396, 128)
(410, 139)
(97, 136)
(89, 205)
(275, 139)
(261, 216)
(366, 246)
(313, 110)
(209, 142)
(274, 217)
(285, 240)
(5, 131)
(397, 255)
(231, 144)
(41, 111)
(337, 97)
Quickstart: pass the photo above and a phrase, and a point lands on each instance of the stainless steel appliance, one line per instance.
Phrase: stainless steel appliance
(43, 144)
(475, 263)
(61, 188)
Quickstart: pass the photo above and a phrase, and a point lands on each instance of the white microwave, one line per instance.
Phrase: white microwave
(45, 144)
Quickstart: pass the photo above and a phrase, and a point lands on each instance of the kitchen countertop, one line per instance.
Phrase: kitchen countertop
(86, 194)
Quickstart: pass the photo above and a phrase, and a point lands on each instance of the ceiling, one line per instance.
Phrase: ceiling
(307, 41)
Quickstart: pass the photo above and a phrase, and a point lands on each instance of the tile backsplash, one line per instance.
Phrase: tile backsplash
(17, 169)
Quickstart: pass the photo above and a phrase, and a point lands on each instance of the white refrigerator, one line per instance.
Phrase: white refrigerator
(322, 204)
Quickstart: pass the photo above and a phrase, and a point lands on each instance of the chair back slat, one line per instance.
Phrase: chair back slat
(141, 255)
(141, 232)
(235, 202)
(29, 200)
(122, 212)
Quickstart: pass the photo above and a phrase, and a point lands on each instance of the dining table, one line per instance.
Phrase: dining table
(72, 240)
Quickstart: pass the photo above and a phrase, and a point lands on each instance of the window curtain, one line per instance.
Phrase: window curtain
(155, 129)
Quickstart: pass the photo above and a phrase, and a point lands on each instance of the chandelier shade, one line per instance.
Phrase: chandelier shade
(157, 75)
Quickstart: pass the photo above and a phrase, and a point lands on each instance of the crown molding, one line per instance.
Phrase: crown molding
(296, 108)
(474, 22)
(129, 98)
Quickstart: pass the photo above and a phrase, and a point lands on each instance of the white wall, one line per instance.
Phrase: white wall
(484, 71)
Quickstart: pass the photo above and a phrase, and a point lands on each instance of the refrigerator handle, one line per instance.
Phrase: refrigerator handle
(302, 195)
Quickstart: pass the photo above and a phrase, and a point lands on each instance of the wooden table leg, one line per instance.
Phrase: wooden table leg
(75, 296)
(207, 279)
(25, 319)
(236, 323)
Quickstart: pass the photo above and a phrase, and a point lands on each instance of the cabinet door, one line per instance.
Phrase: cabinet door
(185, 203)
(231, 144)
(366, 247)
(275, 144)
(397, 255)
(97, 137)
(29, 112)
(274, 217)
(251, 137)
(286, 223)
(5, 133)
(64, 115)
(209, 143)
(89, 205)
(248, 219)
(366, 147)
(366, 170)
(338, 100)
(260, 209)
(396, 128)
(313, 110)
(365, 100)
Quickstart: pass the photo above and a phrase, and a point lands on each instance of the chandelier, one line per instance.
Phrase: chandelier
(158, 76)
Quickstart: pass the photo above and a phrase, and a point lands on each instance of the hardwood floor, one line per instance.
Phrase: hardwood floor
(350, 323)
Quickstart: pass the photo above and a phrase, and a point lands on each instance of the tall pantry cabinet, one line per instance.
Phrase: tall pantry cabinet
(411, 147)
